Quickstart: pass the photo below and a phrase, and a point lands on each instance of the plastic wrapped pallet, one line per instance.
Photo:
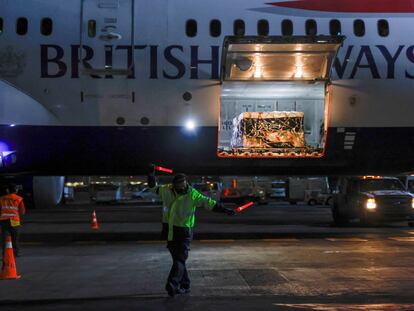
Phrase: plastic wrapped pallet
(274, 129)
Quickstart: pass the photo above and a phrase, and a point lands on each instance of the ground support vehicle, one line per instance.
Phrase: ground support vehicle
(241, 190)
(311, 190)
(372, 200)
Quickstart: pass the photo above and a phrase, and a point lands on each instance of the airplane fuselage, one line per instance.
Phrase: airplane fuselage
(102, 104)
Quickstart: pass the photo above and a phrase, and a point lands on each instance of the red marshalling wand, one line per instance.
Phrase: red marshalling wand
(243, 207)
(163, 169)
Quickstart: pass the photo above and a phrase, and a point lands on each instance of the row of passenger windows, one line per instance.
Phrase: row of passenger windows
(22, 26)
(239, 27)
(311, 27)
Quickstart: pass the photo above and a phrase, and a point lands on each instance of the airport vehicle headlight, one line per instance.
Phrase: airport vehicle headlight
(371, 204)
(412, 202)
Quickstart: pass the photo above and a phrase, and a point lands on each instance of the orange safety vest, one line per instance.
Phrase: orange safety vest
(11, 206)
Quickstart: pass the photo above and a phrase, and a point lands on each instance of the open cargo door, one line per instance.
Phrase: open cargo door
(274, 97)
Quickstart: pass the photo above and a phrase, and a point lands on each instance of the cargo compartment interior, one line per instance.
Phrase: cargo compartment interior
(274, 96)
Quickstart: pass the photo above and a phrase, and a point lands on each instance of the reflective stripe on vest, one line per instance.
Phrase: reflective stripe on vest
(8, 215)
(10, 207)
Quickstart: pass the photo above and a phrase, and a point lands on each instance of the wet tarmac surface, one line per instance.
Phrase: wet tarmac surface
(359, 269)
(137, 222)
(278, 274)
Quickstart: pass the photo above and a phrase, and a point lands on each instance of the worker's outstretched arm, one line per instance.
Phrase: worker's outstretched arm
(219, 208)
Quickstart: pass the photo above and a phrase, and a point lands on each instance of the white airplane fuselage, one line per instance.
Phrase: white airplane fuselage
(111, 102)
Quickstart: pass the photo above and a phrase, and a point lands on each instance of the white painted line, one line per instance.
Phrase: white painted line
(216, 241)
(346, 240)
(340, 130)
(347, 306)
(348, 143)
(280, 240)
(348, 147)
(350, 133)
(403, 238)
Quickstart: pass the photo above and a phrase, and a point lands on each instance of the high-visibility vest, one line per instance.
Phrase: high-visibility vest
(179, 209)
(11, 207)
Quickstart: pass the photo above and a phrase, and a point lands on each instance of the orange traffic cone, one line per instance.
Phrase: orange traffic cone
(9, 267)
(94, 222)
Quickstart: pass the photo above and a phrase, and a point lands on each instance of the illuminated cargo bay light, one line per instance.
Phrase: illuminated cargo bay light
(257, 67)
(258, 72)
(299, 71)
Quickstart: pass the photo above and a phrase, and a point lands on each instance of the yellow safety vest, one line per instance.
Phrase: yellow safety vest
(179, 209)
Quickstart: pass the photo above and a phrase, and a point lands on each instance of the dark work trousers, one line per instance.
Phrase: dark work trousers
(7, 229)
(179, 248)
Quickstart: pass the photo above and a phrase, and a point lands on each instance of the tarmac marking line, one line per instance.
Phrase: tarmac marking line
(410, 232)
(216, 241)
(348, 307)
(346, 240)
(281, 240)
(402, 238)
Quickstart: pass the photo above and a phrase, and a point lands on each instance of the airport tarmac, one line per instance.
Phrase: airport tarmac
(293, 259)
(142, 222)
(277, 274)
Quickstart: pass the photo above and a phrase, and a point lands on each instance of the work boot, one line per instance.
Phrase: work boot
(185, 290)
(170, 290)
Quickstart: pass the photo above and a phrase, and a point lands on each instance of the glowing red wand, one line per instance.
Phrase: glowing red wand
(243, 207)
(163, 169)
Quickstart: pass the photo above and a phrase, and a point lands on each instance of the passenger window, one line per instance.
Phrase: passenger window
(46, 27)
(239, 28)
(335, 27)
(22, 26)
(359, 28)
(1, 26)
(287, 27)
(383, 28)
(191, 28)
(311, 27)
(215, 28)
(92, 28)
(263, 27)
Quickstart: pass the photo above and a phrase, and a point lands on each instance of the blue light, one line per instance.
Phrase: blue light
(4, 147)
(12, 125)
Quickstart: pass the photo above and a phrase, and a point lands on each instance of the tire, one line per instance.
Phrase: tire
(339, 218)
(312, 202)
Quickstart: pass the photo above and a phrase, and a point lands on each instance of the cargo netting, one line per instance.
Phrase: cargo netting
(269, 134)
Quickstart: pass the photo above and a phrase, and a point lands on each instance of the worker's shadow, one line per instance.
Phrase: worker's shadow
(178, 303)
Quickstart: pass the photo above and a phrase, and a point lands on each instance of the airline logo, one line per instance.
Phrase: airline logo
(349, 6)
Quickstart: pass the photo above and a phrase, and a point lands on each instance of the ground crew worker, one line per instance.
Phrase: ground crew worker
(11, 207)
(180, 201)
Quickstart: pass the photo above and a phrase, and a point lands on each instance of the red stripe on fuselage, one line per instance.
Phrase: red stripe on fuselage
(351, 6)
